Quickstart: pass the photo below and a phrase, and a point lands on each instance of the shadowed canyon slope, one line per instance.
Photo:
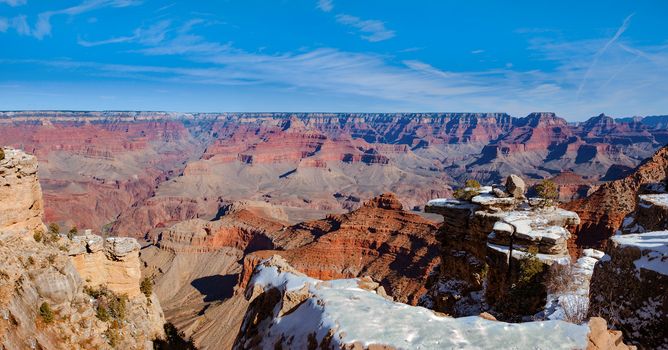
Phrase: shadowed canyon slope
(131, 172)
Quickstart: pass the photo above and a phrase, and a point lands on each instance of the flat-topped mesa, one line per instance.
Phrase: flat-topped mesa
(21, 207)
(639, 304)
(484, 241)
(354, 314)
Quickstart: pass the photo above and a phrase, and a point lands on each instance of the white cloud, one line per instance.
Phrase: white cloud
(43, 28)
(326, 5)
(479, 51)
(371, 29)
(151, 35)
(14, 3)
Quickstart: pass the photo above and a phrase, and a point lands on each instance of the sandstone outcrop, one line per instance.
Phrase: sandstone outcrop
(112, 262)
(21, 205)
(44, 302)
(485, 243)
(639, 306)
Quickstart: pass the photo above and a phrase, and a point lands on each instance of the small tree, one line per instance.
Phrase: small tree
(146, 287)
(472, 184)
(38, 235)
(46, 312)
(547, 190)
(469, 191)
(54, 229)
(72, 232)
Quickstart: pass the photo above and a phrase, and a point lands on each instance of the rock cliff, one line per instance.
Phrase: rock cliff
(639, 306)
(21, 206)
(49, 300)
(603, 211)
(487, 243)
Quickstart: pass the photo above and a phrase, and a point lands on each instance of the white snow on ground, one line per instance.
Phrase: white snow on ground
(647, 200)
(654, 248)
(449, 203)
(356, 315)
(518, 254)
(578, 294)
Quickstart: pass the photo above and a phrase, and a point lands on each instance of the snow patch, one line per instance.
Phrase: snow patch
(355, 315)
(653, 247)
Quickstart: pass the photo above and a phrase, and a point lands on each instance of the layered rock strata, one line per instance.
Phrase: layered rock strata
(485, 242)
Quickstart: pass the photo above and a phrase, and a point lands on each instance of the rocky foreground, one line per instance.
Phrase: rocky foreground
(291, 310)
(59, 292)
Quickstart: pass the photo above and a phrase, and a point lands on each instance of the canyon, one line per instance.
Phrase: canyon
(246, 223)
(128, 173)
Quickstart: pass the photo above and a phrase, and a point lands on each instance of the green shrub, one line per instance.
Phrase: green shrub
(146, 286)
(472, 184)
(2, 153)
(51, 258)
(530, 267)
(547, 190)
(38, 235)
(464, 195)
(175, 340)
(110, 307)
(54, 229)
(46, 312)
(72, 232)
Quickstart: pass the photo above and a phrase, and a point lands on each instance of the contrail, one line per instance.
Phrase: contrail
(620, 31)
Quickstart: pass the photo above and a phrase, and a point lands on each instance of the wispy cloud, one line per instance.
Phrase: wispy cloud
(326, 5)
(371, 29)
(14, 3)
(479, 51)
(151, 35)
(602, 50)
(42, 26)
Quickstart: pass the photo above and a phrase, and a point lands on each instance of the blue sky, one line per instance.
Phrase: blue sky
(576, 58)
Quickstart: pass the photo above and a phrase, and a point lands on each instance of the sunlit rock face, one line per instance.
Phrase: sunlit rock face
(44, 302)
(21, 207)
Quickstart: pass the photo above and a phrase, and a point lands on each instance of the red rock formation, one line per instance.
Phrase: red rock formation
(602, 213)
(102, 169)
(394, 247)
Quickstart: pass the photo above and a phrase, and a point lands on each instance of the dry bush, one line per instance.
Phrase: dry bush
(575, 309)
(560, 279)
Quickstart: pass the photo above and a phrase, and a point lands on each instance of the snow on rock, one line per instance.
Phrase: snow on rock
(630, 286)
(653, 247)
(338, 314)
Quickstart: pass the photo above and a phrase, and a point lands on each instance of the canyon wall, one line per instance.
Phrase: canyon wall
(131, 172)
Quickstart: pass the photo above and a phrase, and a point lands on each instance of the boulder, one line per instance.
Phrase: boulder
(516, 186)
